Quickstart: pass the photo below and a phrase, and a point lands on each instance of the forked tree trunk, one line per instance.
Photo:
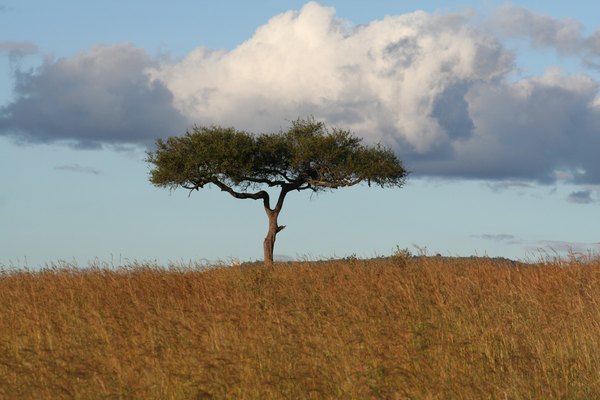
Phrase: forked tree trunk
(274, 229)
(269, 242)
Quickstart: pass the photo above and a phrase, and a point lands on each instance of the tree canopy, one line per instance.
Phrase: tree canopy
(307, 156)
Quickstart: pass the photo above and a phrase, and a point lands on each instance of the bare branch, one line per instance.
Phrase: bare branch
(240, 195)
(191, 188)
(284, 191)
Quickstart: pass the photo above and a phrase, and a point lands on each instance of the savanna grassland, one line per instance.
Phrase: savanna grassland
(397, 328)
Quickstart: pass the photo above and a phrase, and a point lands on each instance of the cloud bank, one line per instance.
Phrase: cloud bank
(434, 87)
(102, 96)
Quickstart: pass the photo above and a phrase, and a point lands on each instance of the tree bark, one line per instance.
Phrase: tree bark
(274, 228)
(269, 242)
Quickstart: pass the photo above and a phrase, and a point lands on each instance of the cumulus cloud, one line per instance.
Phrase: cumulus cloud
(430, 85)
(536, 129)
(434, 87)
(563, 35)
(399, 80)
(544, 31)
(100, 96)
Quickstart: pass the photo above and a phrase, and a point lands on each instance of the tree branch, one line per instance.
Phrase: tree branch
(277, 172)
(239, 195)
(263, 180)
(284, 191)
(197, 186)
(333, 185)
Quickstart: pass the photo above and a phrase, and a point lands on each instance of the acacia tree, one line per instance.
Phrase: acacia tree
(308, 156)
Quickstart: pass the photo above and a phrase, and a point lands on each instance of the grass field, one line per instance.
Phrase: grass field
(398, 328)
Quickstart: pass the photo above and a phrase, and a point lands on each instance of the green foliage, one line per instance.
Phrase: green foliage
(202, 155)
(306, 156)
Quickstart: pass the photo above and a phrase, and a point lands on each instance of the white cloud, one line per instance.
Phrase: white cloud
(381, 79)
(432, 86)
(566, 36)
(543, 31)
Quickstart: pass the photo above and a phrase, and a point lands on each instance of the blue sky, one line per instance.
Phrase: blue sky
(493, 106)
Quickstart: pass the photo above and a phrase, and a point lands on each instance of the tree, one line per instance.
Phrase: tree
(308, 156)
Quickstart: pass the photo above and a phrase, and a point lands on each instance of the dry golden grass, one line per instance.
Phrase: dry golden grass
(423, 328)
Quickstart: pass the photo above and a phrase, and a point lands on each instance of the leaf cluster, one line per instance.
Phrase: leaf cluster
(306, 156)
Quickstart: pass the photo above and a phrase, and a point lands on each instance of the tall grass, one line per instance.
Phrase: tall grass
(422, 328)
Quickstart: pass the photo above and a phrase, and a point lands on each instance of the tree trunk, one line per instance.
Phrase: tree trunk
(269, 243)
(274, 229)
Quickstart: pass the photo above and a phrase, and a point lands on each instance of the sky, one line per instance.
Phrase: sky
(494, 107)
